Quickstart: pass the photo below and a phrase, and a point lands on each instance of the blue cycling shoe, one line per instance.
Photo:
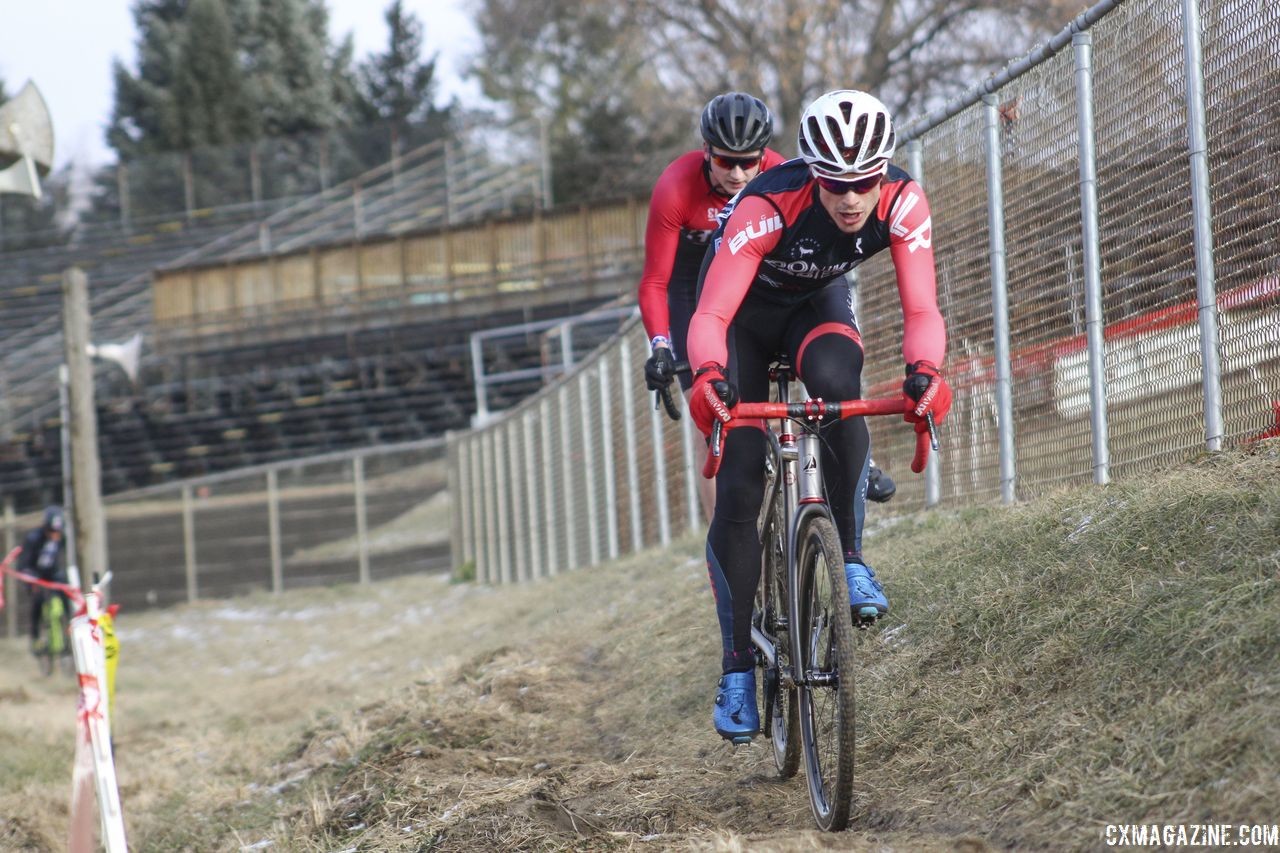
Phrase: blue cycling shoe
(736, 717)
(866, 594)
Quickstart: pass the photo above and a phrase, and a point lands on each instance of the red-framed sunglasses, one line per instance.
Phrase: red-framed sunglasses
(730, 163)
(861, 186)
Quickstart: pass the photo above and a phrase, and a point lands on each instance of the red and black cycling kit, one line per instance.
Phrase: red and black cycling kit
(682, 217)
(774, 283)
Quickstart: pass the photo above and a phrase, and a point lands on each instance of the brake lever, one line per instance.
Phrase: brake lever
(933, 431)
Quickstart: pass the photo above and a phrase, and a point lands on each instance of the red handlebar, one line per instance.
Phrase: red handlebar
(816, 410)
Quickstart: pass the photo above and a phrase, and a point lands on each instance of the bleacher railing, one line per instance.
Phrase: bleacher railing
(1103, 226)
(543, 256)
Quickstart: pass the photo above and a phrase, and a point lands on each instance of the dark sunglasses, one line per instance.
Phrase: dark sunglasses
(862, 186)
(730, 163)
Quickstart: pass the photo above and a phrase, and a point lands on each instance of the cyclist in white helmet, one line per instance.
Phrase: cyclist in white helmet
(773, 281)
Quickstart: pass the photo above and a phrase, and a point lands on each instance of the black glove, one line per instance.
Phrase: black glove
(660, 369)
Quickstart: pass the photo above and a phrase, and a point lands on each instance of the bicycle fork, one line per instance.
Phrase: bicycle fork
(798, 484)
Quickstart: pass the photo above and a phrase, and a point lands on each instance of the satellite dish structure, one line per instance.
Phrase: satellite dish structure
(124, 354)
(26, 142)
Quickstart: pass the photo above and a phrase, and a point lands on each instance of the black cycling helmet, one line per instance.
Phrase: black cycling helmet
(735, 121)
(54, 519)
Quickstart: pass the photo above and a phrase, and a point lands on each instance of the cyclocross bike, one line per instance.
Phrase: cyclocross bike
(802, 628)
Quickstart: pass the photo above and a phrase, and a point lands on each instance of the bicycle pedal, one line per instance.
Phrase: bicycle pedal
(741, 740)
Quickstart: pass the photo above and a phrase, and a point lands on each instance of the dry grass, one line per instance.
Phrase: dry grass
(1101, 656)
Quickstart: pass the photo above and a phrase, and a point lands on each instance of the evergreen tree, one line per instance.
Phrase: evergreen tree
(398, 86)
(210, 107)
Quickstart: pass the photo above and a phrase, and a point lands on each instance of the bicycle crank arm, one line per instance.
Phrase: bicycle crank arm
(765, 646)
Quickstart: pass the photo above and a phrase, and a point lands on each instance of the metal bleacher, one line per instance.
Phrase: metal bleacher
(280, 397)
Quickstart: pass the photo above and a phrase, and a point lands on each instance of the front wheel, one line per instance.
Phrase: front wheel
(826, 692)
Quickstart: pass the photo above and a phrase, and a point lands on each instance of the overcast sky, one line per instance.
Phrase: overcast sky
(66, 48)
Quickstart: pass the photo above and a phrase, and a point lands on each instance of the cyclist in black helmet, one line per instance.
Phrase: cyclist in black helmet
(41, 557)
(692, 190)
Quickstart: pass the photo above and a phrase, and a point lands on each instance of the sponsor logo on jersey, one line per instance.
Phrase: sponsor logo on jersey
(762, 226)
(804, 247)
(808, 269)
(921, 237)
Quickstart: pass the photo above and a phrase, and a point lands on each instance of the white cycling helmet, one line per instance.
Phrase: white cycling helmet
(846, 133)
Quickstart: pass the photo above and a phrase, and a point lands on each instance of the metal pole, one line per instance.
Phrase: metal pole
(501, 484)
(459, 485)
(477, 374)
(492, 558)
(589, 471)
(631, 449)
(1206, 285)
(1094, 325)
(933, 470)
(610, 473)
(476, 461)
(189, 542)
(273, 531)
(519, 495)
(566, 482)
(362, 518)
(531, 480)
(548, 486)
(1000, 301)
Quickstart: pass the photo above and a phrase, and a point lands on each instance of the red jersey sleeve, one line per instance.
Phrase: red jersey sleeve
(752, 231)
(661, 237)
(924, 335)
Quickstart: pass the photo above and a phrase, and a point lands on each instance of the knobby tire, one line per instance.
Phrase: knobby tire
(827, 727)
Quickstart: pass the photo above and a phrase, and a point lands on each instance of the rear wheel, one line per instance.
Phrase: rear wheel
(782, 713)
(826, 693)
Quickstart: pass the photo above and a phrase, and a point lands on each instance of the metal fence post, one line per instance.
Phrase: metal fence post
(933, 469)
(273, 523)
(362, 520)
(477, 503)
(566, 471)
(610, 470)
(1000, 300)
(1094, 323)
(548, 486)
(531, 495)
(631, 450)
(492, 556)
(498, 435)
(189, 542)
(1206, 286)
(589, 471)
(519, 496)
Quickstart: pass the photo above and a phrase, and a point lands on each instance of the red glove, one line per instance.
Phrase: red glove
(927, 393)
(711, 398)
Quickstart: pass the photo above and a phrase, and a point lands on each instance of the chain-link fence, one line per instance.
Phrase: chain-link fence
(1105, 224)
(349, 517)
